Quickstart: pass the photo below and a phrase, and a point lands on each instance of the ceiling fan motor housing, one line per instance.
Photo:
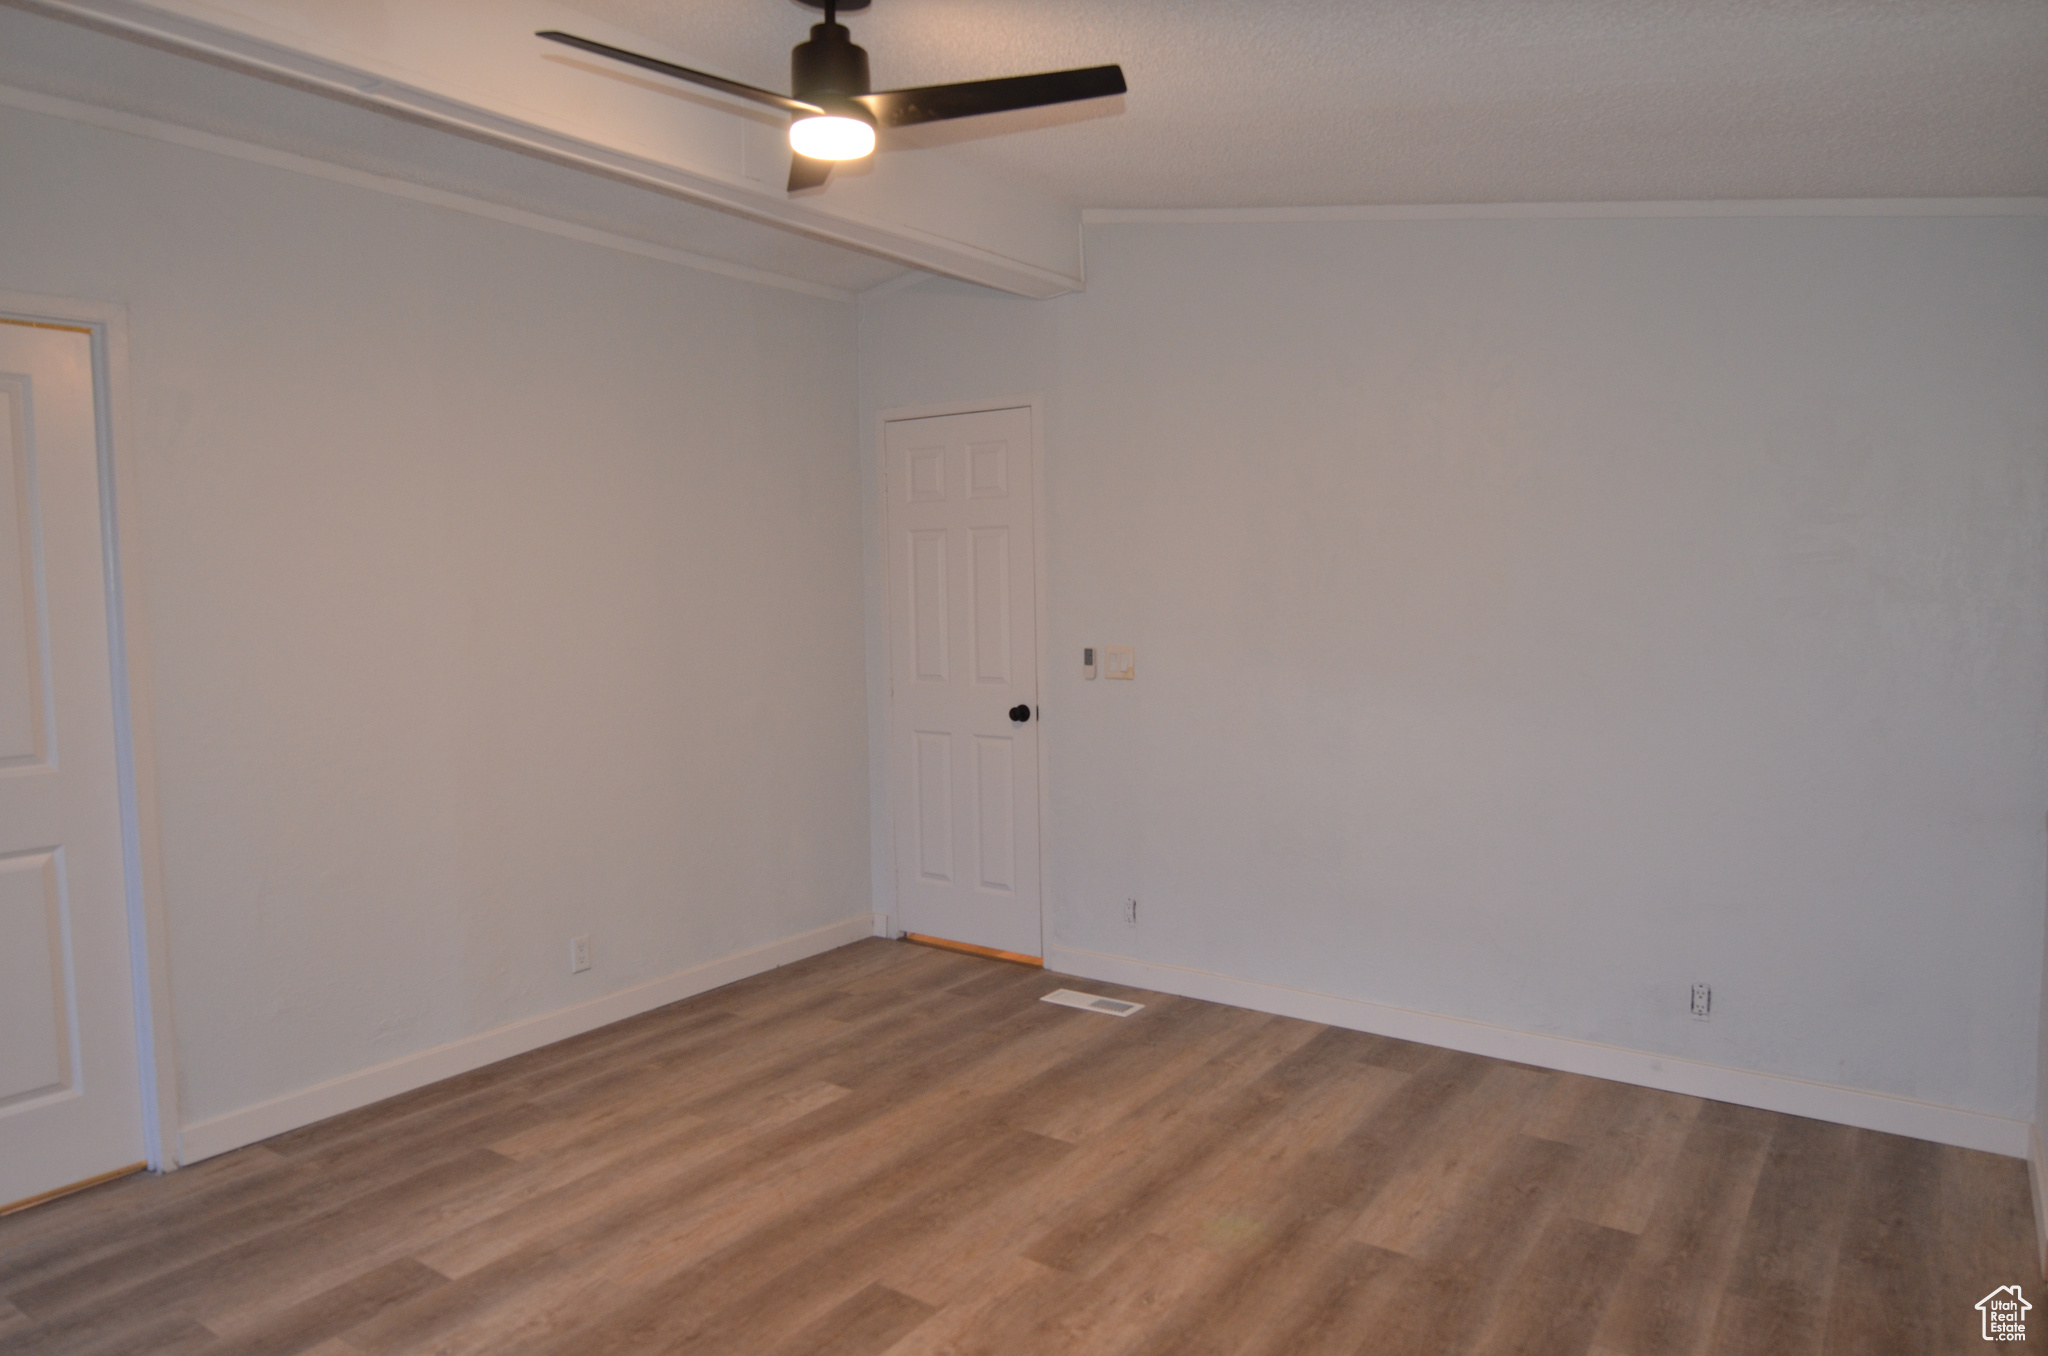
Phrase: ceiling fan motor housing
(830, 63)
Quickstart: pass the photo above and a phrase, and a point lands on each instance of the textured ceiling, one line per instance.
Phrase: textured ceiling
(1239, 103)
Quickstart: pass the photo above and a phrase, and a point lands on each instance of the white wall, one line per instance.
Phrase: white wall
(1532, 616)
(1535, 616)
(498, 589)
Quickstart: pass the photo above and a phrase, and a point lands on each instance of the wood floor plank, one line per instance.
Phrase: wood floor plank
(679, 1029)
(1338, 1309)
(1390, 1052)
(1008, 1297)
(1429, 1094)
(573, 1256)
(1022, 1051)
(1428, 1313)
(1557, 1299)
(129, 1335)
(1503, 1210)
(1090, 1231)
(891, 1150)
(1984, 1236)
(1011, 1162)
(768, 1061)
(273, 1268)
(331, 1312)
(1882, 1298)
(1573, 1106)
(115, 1211)
(134, 1221)
(661, 1179)
(1243, 1201)
(357, 1245)
(1629, 1160)
(602, 1184)
(219, 1221)
(1022, 1058)
(871, 1321)
(1778, 1290)
(980, 1244)
(1457, 1283)
(1088, 1099)
(1118, 1309)
(1461, 1152)
(1669, 1300)
(681, 1309)
(1262, 1281)
(1139, 1287)
(160, 1272)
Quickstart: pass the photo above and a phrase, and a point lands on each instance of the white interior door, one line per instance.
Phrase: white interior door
(70, 1097)
(963, 628)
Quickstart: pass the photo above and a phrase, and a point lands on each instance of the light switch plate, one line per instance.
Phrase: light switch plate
(1117, 662)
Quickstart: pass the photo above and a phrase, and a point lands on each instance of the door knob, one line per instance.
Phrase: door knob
(1020, 713)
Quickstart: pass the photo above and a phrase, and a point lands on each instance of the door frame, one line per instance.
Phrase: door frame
(156, 1055)
(1035, 406)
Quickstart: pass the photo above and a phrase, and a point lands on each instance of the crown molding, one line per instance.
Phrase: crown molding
(1576, 211)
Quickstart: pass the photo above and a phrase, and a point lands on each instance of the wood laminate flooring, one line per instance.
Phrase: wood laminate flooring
(892, 1149)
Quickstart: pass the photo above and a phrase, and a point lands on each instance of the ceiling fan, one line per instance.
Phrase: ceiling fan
(836, 114)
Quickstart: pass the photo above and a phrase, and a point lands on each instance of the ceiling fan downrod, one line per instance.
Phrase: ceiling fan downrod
(829, 64)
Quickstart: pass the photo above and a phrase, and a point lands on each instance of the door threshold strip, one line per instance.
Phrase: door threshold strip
(947, 944)
(30, 1202)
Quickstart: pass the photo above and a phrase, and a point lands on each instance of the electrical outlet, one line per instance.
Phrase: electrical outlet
(1131, 912)
(1702, 1002)
(579, 954)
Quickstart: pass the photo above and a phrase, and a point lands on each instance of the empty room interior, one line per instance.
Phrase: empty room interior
(947, 677)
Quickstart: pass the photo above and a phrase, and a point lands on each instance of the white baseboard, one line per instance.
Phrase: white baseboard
(1770, 1092)
(206, 1138)
(2037, 1178)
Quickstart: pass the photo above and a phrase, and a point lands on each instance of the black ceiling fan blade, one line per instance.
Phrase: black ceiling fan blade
(805, 172)
(934, 103)
(717, 82)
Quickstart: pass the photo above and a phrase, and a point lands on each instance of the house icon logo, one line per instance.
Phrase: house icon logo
(2005, 1314)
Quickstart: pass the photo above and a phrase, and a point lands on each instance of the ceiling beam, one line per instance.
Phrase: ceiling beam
(475, 66)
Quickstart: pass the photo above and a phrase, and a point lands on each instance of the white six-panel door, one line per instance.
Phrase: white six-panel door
(963, 635)
(70, 1099)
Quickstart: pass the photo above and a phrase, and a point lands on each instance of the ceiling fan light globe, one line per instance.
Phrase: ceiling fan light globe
(830, 137)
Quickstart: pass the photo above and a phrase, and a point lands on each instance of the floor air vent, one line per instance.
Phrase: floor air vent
(1068, 998)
